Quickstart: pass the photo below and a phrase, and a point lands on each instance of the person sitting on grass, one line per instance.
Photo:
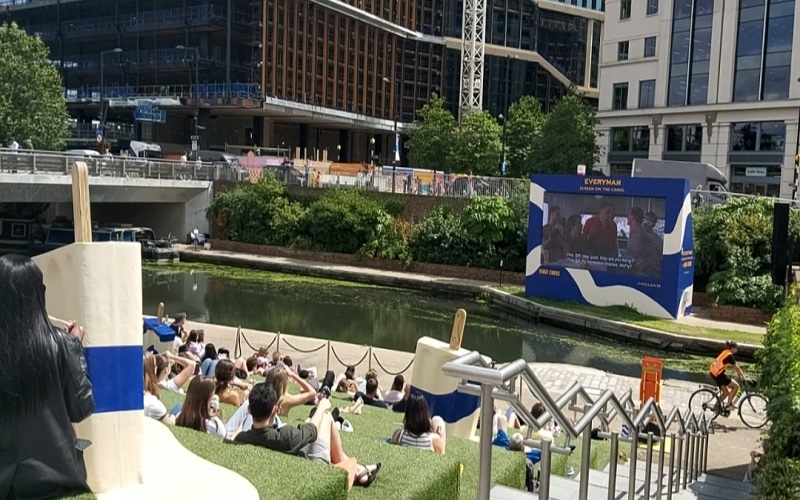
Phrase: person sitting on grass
(200, 409)
(164, 364)
(362, 383)
(224, 373)
(371, 397)
(195, 345)
(398, 395)
(153, 407)
(210, 358)
(317, 439)
(279, 379)
(419, 429)
(537, 410)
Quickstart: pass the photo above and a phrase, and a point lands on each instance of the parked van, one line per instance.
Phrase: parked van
(137, 149)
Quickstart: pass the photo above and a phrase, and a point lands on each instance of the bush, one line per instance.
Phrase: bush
(390, 240)
(779, 362)
(754, 291)
(732, 244)
(344, 220)
(441, 239)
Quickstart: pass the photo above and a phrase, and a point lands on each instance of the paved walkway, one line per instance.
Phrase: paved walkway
(729, 448)
(416, 280)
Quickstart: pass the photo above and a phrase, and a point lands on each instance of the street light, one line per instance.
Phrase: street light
(503, 120)
(338, 153)
(103, 84)
(194, 90)
(372, 156)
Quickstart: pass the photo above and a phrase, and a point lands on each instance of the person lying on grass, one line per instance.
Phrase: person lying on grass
(515, 442)
(317, 439)
(419, 429)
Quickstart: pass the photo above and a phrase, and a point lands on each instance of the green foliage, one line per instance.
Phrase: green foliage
(394, 207)
(523, 130)
(344, 220)
(488, 218)
(731, 289)
(32, 104)
(477, 144)
(390, 240)
(430, 139)
(258, 213)
(567, 139)
(779, 362)
(733, 243)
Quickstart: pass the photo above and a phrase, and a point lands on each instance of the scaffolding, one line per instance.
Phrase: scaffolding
(473, 48)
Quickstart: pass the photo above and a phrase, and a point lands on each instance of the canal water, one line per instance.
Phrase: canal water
(382, 317)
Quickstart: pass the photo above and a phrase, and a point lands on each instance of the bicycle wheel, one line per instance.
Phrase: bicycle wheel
(753, 411)
(705, 402)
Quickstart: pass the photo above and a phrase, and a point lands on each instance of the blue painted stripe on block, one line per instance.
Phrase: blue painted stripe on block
(452, 407)
(164, 331)
(116, 375)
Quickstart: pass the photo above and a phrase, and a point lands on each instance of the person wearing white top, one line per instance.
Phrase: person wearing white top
(153, 407)
(13, 145)
(201, 408)
(164, 364)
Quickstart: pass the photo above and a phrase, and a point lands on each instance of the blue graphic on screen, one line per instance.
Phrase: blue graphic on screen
(612, 241)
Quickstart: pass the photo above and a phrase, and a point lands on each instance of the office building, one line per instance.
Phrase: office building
(323, 75)
(703, 80)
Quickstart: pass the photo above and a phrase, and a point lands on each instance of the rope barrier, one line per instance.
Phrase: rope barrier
(237, 347)
(302, 350)
(391, 373)
(333, 351)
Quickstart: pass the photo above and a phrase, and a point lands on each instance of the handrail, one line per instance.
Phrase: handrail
(480, 379)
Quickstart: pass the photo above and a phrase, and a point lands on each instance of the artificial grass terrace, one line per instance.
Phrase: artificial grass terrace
(406, 473)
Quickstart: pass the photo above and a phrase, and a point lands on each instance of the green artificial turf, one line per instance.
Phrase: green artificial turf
(630, 316)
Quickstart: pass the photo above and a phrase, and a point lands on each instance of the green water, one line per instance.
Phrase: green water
(382, 317)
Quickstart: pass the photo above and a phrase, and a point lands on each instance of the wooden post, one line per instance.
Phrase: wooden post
(81, 208)
(160, 312)
(458, 329)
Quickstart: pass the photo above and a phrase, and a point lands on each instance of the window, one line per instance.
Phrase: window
(620, 139)
(763, 136)
(763, 50)
(622, 51)
(641, 139)
(625, 9)
(652, 7)
(650, 46)
(690, 52)
(620, 96)
(647, 94)
(627, 139)
(684, 138)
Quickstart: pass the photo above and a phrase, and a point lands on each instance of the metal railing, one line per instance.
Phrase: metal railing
(383, 179)
(51, 163)
(691, 442)
(710, 198)
(201, 91)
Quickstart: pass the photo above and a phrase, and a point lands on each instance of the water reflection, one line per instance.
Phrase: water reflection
(382, 317)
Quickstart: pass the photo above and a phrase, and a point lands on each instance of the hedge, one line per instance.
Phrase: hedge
(779, 362)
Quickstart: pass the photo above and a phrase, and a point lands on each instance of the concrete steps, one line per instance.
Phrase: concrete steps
(707, 487)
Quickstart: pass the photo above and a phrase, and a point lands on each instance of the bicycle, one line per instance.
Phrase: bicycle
(751, 405)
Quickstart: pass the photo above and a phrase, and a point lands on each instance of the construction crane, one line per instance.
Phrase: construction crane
(473, 48)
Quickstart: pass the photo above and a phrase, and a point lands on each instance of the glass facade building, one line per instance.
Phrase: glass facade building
(691, 52)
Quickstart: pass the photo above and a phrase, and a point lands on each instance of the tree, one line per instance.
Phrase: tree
(568, 138)
(523, 129)
(430, 138)
(477, 144)
(32, 104)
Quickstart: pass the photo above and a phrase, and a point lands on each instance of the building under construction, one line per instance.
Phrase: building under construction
(322, 75)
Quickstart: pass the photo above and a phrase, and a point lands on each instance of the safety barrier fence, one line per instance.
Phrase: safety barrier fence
(687, 460)
(50, 163)
(279, 339)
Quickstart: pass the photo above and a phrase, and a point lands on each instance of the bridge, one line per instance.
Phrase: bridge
(168, 196)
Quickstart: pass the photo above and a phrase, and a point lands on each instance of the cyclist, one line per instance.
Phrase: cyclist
(727, 386)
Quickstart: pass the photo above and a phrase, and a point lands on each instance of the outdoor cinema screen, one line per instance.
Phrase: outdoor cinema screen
(615, 234)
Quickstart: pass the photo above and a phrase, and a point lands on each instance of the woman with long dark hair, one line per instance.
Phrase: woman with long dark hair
(44, 389)
(224, 373)
(419, 429)
(201, 408)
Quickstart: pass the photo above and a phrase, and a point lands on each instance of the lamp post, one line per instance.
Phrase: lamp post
(372, 157)
(194, 90)
(338, 153)
(103, 85)
(503, 120)
(396, 132)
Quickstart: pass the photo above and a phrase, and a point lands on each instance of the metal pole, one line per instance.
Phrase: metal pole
(328, 362)
(686, 458)
(196, 94)
(102, 89)
(648, 465)
(705, 453)
(485, 462)
(698, 445)
(678, 461)
(544, 471)
(661, 452)
(632, 464)
(586, 455)
(670, 479)
(612, 467)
